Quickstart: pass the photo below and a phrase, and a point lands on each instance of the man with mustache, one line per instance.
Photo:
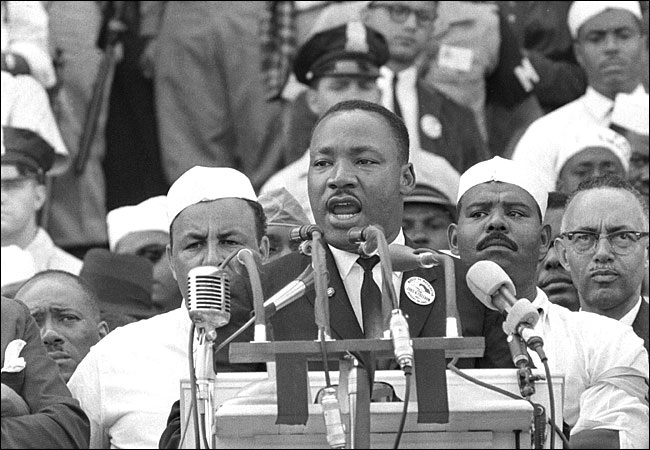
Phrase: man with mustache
(501, 205)
(128, 381)
(552, 278)
(359, 175)
(66, 309)
(608, 272)
(609, 43)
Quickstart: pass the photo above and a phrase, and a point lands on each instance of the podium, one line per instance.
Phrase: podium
(478, 417)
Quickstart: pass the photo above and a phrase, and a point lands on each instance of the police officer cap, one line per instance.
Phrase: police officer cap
(24, 147)
(351, 49)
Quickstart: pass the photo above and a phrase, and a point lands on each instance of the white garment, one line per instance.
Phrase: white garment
(605, 367)
(129, 380)
(628, 319)
(352, 276)
(540, 144)
(48, 256)
(407, 96)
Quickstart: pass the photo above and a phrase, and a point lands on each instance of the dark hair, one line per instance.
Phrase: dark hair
(557, 200)
(614, 182)
(397, 127)
(90, 295)
(260, 222)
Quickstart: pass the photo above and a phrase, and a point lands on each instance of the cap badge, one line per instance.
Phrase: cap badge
(431, 126)
(419, 291)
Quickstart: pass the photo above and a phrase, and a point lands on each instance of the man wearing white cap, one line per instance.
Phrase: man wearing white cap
(609, 46)
(501, 204)
(143, 230)
(595, 152)
(129, 379)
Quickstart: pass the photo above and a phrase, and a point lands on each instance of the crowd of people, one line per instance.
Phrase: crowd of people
(141, 140)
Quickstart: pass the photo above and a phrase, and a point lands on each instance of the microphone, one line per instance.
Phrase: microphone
(406, 258)
(291, 292)
(303, 233)
(494, 288)
(401, 337)
(208, 297)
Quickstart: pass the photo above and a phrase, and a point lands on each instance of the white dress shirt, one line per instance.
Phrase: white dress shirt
(628, 319)
(47, 255)
(605, 367)
(352, 276)
(407, 95)
(541, 143)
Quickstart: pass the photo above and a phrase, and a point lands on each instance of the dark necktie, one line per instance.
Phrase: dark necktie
(370, 300)
(396, 109)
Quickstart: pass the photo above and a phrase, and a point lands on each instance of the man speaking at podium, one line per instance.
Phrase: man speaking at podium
(501, 205)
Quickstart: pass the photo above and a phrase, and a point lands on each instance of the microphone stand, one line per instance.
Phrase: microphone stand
(205, 379)
(245, 257)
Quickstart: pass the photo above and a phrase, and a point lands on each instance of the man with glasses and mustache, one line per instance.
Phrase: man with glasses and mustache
(604, 246)
(501, 205)
(142, 230)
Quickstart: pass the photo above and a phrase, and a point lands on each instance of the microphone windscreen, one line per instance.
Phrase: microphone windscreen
(404, 258)
(485, 278)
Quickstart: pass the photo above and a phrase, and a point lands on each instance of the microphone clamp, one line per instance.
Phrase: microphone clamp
(304, 232)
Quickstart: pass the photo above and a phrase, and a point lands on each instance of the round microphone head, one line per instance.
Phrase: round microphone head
(208, 292)
(485, 278)
(522, 312)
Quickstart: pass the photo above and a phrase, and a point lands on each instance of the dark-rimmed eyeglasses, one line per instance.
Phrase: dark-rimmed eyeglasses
(400, 13)
(622, 242)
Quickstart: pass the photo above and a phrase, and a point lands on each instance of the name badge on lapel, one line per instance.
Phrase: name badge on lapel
(419, 291)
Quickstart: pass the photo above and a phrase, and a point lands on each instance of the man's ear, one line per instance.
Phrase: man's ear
(452, 238)
(264, 249)
(40, 197)
(560, 250)
(545, 242)
(312, 100)
(407, 181)
(102, 329)
(168, 250)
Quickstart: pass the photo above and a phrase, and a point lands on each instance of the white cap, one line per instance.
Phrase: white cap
(204, 184)
(581, 12)
(435, 171)
(595, 137)
(631, 112)
(505, 171)
(150, 215)
(17, 265)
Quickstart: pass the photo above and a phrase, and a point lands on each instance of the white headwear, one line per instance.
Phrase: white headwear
(505, 171)
(581, 12)
(204, 184)
(435, 171)
(149, 215)
(595, 137)
(631, 112)
(17, 264)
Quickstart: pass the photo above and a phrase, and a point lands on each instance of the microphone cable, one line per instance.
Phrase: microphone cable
(407, 394)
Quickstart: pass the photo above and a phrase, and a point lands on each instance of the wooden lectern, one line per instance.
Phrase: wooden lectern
(478, 417)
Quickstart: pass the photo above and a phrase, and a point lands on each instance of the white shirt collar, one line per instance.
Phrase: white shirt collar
(346, 260)
(600, 106)
(628, 319)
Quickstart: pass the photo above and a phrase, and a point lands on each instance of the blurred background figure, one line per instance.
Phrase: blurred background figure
(123, 284)
(142, 230)
(594, 152)
(26, 159)
(66, 309)
(552, 277)
(431, 207)
(283, 213)
(17, 266)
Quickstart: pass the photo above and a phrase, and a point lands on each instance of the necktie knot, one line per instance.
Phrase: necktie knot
(368, 263)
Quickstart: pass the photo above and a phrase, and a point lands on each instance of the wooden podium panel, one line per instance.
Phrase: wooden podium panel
(479, 418)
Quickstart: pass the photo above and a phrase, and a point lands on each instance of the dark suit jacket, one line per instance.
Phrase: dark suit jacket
(640, 324)
(296, 321)
(55, 419)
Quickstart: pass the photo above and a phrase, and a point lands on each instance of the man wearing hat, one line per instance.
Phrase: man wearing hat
(609, 43)
(608, 276)
(142, 230)
(283, 213)
(338, 63)
(501, 204)
(431, 207)
(26, 159)
(66, 309)
(130, 378)
(596, 151)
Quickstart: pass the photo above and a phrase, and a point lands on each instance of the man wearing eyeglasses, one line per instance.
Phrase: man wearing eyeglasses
(604, 246)
(435, 123)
